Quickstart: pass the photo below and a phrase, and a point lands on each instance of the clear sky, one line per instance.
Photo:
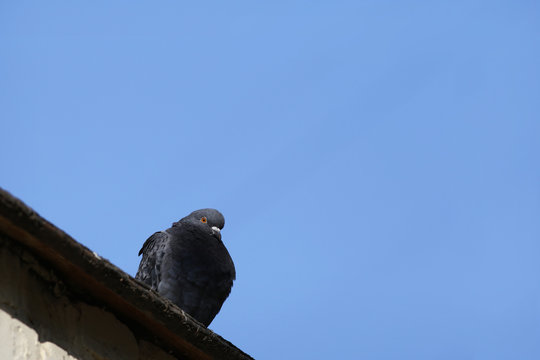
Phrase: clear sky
(377, 163)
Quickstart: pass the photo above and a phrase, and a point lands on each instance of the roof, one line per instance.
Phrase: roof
(142, 309)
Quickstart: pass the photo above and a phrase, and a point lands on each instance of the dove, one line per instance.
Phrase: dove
(189, 264)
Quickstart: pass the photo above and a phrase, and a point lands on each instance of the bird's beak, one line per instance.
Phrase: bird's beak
(216, 232)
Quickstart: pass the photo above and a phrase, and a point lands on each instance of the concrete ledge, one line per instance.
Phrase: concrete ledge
(100, 283)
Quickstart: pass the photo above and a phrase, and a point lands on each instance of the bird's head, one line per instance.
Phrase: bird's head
(210, 221)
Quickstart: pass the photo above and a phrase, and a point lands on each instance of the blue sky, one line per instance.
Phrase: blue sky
(376, 162)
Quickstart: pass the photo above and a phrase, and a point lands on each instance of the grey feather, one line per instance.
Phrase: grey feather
(189, 264)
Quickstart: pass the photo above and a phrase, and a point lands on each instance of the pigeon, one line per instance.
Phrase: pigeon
(189, 264)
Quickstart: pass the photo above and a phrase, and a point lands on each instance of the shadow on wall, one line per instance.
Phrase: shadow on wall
(39, 315)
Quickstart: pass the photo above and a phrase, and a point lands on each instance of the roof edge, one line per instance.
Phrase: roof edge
(108, 285)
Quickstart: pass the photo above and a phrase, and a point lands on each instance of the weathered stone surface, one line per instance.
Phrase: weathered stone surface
(18, 341)
(41, 319)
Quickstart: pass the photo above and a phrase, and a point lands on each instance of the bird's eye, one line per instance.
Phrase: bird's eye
(203, 219)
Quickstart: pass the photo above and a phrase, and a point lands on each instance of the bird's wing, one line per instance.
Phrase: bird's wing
(152, 255)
